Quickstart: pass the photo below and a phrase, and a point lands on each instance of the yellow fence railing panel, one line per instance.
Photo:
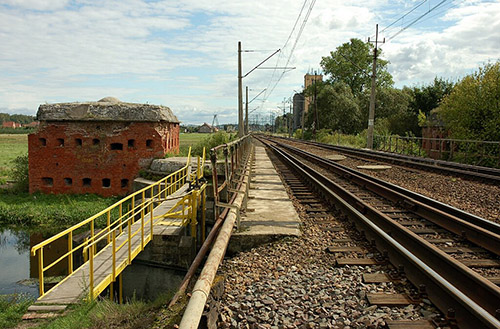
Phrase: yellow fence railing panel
(119, 220)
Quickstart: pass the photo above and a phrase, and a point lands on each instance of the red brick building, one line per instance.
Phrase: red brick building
(97, 147)
(10, 124)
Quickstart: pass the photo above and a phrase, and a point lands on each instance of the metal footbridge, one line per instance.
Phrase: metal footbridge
(119, 233)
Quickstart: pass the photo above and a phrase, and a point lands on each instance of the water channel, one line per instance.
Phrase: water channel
(15, 263)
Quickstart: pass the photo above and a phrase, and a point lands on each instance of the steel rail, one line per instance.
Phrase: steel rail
(477, 299)
(452, 168)
(456, 220)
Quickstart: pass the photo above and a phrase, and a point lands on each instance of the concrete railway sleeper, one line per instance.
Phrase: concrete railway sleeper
(449, 284)
(491, 175)
(337, 167)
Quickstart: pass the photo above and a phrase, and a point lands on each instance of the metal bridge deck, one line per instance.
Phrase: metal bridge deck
(75, 287)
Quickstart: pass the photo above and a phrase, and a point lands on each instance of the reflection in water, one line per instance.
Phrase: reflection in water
(17, 266)
(14, 263)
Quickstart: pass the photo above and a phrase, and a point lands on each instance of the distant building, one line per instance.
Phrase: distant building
(309, 80)
(298, 109)
(33, 124)
(206, 128)
(10, 124)
(97, 147)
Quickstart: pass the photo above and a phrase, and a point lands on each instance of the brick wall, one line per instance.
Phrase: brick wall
(95, 157)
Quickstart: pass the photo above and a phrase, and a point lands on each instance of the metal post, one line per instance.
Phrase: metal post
(371, 113)
(114, 255)
(151, 221)
(246, 112)
(240, 94)
(108, 223)
(91, 272)
(203, 215)
(70, 250)
(40, 271)
(129, 228)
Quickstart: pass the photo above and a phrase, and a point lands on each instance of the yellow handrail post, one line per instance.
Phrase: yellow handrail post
(133, 209)
(85, 251)
(203, 218)
(129, 240)
(70, 250)
(40, 271)
(198, 168)
(92, 230)
(142, 205)
(114, 257)
(121, 215)
(108, 223)
(151, 221)
(194, 201)
(142, 229)
(91, 272)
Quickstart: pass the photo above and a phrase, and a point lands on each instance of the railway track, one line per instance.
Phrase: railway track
(485, 174)
(452, 254)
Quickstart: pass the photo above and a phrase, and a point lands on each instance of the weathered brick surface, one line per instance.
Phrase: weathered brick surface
(64, 155)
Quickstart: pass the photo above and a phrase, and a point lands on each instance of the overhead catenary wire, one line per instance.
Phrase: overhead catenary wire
(413, 22)
(301, 29)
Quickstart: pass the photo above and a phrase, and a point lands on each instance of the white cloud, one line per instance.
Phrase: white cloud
(36, 4)
(183, 54)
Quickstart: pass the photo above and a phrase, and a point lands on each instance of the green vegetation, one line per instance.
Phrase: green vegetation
(11, 146)
(48, 210)
(472, 110)
(17, 131)
(106, 314)
(12, 308)
(198, 141)
(18, 118)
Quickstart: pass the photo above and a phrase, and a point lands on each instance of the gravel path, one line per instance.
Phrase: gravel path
(474, 197)
(294, 284)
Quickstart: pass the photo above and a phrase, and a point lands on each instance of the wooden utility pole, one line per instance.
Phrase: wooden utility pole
(246, 112)
(240, 94)
(371, 113)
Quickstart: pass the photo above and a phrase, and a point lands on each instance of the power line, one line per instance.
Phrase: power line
(416, 20)
(304, 22)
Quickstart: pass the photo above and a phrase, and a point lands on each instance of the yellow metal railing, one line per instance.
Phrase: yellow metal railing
(120, 218)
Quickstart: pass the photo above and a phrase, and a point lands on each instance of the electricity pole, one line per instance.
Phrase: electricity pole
(246, 112)
(240, 94)
(241, 128)
(371, 113)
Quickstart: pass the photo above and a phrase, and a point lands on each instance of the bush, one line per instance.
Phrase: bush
(19, 173)
(211, 141)
(298, 134)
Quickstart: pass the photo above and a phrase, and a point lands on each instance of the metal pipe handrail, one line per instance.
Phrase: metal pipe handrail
(165, 186)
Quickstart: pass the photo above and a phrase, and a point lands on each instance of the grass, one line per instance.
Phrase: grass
(12, 308)
(105, 314)
(189, 139)
(11, 146)
(49, 210)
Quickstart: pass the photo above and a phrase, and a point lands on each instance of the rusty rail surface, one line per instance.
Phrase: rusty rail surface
(449, 284)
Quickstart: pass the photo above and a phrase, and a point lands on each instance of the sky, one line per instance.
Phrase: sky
(183, 54)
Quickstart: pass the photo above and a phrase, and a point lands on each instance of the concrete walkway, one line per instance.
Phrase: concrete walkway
(75, 287)
(270, 214)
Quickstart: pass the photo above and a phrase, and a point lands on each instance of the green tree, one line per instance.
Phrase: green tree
(472, 109)
(351, 63)
(337, 108)
(393, 114)
(426, 98)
